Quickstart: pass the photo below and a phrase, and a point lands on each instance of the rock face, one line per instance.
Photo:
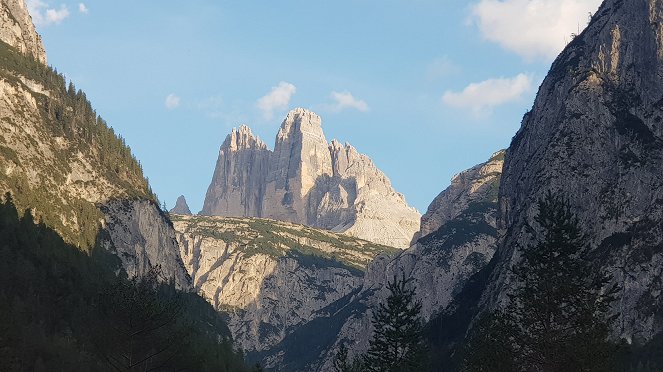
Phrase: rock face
(238, 183)
(65, 165)
(476, 183)
(181, 207)
(143, 238)
(595, 134)
(306, 180)
(271, 277)
(440, 264)
(17, 30)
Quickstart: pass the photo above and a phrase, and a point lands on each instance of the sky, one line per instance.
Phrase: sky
(425, 88)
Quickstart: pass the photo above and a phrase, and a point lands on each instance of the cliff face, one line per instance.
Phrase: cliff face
(476, 183)
(17, 30)
(306, 180)
(440, 264)
(271, 277)
(67, 166)
(595, 134)
(238, 183)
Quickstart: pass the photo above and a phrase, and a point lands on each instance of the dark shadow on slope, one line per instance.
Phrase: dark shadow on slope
(308, 344)
(51, 297)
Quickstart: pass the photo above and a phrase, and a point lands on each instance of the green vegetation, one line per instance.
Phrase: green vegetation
(66, 120)
(64, 310)
(278, 239)
(397, 344)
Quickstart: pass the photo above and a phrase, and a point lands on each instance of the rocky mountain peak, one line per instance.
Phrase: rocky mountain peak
(17, 29)
(181, 207)
(309, 181)
(242, 139)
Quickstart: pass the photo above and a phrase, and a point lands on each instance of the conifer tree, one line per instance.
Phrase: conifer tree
(557, 317)
(397, 344)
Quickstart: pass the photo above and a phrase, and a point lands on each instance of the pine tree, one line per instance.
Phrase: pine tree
(397, 344)
(341, 363)
(557, 317)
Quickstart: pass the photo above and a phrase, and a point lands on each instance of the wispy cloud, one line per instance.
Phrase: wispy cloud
(172, 101)
(277, 99)
(83, 8)
(534, 29)
(43, 15)
(441, 68)
(345, 100)
(482, 97)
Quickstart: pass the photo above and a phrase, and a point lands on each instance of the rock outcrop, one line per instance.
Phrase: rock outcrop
(181, 207)
(17, 30)
(306, 180)
(440, 263)
(271, 277)
(476, 183)
(595, 135)
(142, 237)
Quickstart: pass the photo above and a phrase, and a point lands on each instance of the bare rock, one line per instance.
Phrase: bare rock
(306, 180)
(17, 29)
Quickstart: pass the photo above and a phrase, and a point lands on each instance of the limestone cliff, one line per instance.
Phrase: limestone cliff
(238, 183)
(17, 30)
(309, 181)
(466, 187)
(595, 135)
(271, 277)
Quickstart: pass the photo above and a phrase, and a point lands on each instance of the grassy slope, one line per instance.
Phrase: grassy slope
(276, 238)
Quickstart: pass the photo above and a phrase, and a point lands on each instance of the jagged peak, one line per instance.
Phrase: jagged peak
(301, 124)
(302, 117)
(181, 206)
(242, 138)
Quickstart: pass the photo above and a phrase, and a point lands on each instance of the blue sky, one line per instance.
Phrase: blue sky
(426, 88)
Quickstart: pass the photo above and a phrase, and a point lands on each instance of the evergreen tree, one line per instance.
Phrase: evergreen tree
(397, 344)
(341, 363)
(557, 317)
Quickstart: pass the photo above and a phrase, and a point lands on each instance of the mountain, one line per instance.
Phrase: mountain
(477, 183)
(181, 207)
(16, 29)
(63, 163)
(440, 264)
(595, 135)
(90, 270)
(270, 277)
(308, 181)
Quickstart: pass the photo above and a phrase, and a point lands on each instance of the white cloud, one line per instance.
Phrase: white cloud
(83, 8)
(277, 99)
(43, 15)
(484, 96)
(344, 100)
(172, 101)
(532, 28)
